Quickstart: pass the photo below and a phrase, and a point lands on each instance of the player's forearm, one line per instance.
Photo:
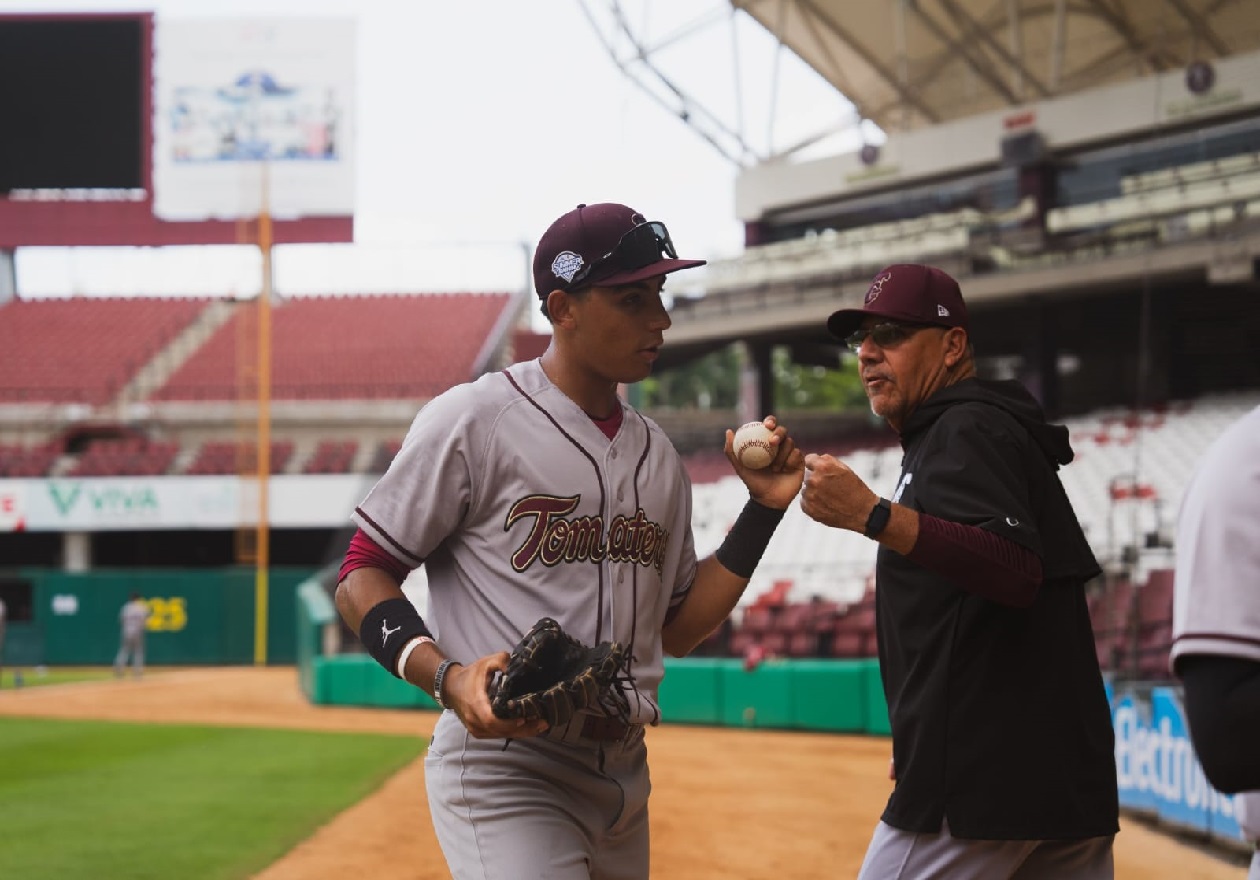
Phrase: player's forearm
(360, 590)
(710, 601)
(722, 578)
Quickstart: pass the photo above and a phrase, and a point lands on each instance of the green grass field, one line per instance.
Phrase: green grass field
(115, 801)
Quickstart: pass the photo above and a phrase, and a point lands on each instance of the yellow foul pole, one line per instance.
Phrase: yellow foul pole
(262, 556)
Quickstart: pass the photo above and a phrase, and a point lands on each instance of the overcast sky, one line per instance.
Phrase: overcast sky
(479, 123)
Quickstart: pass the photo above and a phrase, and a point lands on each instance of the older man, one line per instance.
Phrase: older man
(1002, 738)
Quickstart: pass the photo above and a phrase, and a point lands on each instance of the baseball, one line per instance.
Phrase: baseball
(752, 445)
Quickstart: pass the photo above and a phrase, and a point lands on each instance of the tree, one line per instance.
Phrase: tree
(808, 386)
(712, 382)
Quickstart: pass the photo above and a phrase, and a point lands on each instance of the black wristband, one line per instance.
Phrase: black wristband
(387, 627)
(878, 519)
(745, 543)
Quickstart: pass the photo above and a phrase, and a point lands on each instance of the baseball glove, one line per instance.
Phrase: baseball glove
(550, 675)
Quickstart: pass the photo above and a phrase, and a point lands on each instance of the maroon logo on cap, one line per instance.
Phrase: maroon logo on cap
(877, 287)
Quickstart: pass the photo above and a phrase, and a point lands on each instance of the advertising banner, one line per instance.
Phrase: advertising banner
(1157, 769)
(131, 503)
(234, 95)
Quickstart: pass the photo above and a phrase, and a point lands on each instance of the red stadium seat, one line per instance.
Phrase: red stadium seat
(351, 347)
(100, 344)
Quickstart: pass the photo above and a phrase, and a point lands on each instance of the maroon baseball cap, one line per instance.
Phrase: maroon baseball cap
(909, 292)
(603, 244)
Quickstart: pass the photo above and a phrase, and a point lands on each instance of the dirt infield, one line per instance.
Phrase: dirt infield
(726, 804)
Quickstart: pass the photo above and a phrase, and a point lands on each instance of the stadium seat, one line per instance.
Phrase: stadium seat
(758, 620)
(1153, 610)
(100, 343)
(119, 457)
(332, 457)
(342, 347)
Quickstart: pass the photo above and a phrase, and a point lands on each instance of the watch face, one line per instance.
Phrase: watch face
(1200, 77)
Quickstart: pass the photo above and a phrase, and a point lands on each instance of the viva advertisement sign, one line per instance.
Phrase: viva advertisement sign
(1157, 769)
(126, 501)
(185, 502)
(121, 503)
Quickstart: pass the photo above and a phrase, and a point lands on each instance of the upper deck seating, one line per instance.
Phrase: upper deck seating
(83, 350)
(350, 347)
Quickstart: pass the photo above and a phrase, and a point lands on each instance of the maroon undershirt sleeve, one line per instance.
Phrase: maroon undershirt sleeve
(978, 561)
(364, 552)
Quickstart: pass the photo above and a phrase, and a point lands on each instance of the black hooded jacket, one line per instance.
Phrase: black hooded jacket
(999, 717)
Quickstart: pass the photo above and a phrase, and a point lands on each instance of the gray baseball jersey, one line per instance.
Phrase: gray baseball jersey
(132, 617)
(520, 507)
(1216, 593)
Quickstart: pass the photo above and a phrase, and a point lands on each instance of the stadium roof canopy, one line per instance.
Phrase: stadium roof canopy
(906, 64)
(910, 63)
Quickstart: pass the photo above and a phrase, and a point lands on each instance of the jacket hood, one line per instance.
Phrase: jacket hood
(1008, 395)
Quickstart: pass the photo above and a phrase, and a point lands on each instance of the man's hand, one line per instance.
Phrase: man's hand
(467, 693)
(834, 495)
(777, 484)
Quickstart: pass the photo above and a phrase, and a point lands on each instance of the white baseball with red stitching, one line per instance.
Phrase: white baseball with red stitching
(752, 445)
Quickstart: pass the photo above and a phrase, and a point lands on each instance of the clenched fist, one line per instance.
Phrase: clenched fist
(834, 495)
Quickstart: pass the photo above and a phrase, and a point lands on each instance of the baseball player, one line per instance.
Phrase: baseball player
(1003, 750)
(537, 491)
(1216, 617)
(132, 619)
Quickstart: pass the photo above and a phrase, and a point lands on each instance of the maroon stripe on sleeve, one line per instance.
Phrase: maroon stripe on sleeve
(366, 553)
(978, 561)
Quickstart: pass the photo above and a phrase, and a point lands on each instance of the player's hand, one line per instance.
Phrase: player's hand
(777, 484)
(466, 692)
(834, 495)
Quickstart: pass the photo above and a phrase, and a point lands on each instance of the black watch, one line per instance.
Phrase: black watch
(878, 520)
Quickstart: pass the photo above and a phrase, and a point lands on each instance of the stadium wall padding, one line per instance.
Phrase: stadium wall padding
(846, 696)
(315, 613)
(196, 616)
(780, 694)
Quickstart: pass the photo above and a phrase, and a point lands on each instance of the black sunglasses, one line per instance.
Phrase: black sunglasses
(883, 335)
(641, 246)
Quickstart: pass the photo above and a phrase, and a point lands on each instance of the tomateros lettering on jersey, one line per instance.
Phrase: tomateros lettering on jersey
(553, 539)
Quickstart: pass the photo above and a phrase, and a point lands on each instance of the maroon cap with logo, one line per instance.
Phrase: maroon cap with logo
(908, 292)
(603, 244)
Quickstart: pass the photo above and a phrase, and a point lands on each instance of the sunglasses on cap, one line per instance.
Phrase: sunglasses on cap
(884, 334)
(642, 246)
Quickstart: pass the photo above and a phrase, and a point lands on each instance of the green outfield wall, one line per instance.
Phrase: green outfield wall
(196, 616)
(841, 696)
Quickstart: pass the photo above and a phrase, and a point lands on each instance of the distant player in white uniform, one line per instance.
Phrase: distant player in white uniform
(537, 491)
(132, 620)
(1216, 617)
